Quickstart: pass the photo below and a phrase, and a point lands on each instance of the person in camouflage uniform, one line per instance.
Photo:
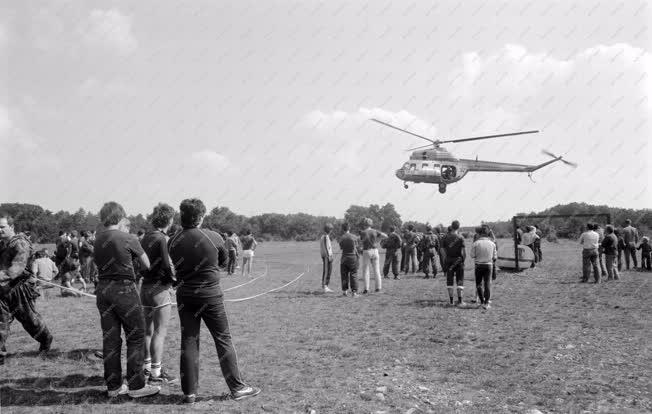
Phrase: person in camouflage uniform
(18, 288)
(429, 246)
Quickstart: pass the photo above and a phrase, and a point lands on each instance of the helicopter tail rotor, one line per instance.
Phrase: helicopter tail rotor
(569, 163)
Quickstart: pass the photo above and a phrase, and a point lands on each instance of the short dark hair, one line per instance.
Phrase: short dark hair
(328, 227)
(84, 233)
(392, 229)
(247, 232)
(628, 222)
(428, 227)
(589, 226)
(191, 210)
(455, 225)
(609, 229)
(161, 215)
(410, 227)
(111, 213)
(140, 232)
(345, 227)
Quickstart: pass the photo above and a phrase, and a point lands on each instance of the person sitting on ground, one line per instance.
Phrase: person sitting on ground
(248, 247)
(646, 253)
(326, 251)
(71, 268)
(43, 267)
(484, 253)
(589, 241)
(197, 255)
(610, 248)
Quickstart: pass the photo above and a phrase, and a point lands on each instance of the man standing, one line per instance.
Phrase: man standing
(630, 237)
(392, 245)
(349, 261)
(430, 248)
(589, 241)
(17, 288)
(537, 244)
(484, 253)
(528, 239)
(326, 250)
(370, 258)
(453, 246)
(411, 250)
(232, 247)
(610, 249)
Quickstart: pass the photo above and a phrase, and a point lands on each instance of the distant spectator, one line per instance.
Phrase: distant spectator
(621, 247)
(430, 248)
(589, 241)
(411, 259)
(528, 239)
(326, 251)
(609, 247)
(484, 253)
(370, 239)
(232, 248)
(630, 237)
(43, 267)
(392, 245)
(248, 247)
(74, 242)
(349, 261)
(538, 254)
(646, 253)
(453, 246)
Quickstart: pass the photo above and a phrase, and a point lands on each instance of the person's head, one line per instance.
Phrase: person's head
(478, 231)
(74, 257)
(345, 227)
(628, 222)
(428, 228)
(61, 233)
(192, 211)
(162, 216)
(247, 232)
(45, 253)
(6, 227)
(617, 232)
(455, 225)
(449, 229)
(368, 222)
(73, 233)
(410, 227)
(140, 233)
(112, 213)
(609, 229)
(84, 234)
(328, 228)
(645, 240)
(229, 233)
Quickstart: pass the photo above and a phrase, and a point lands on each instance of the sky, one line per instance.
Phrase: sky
(265, 106)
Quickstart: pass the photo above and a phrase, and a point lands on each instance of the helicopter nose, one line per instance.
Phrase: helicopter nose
(400, 173)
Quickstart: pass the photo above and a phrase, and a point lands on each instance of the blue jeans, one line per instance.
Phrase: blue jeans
(120, 308)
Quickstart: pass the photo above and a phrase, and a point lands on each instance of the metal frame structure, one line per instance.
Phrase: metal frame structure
(516, 219)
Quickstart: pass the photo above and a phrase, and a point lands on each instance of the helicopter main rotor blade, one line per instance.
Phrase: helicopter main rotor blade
(487, 137)
(402, 130)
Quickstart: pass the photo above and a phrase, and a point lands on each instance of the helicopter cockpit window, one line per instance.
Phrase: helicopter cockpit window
(424, 166)
(406, 165)
(448, 172)
(413, 166)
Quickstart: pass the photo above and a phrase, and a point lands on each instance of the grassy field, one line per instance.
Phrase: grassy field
(548, 343)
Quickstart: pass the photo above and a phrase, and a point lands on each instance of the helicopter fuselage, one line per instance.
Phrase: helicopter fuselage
(433, 166)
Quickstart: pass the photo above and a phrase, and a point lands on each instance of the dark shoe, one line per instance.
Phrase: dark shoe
(99, 354)
(426, 277)
(377, 290)
(385, 277)
(397, 278)
(189, 399)
(365, 292)
(246, 392)
(45, 345)
(164, 378)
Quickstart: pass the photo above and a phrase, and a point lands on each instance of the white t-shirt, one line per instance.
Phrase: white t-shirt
(589, 239)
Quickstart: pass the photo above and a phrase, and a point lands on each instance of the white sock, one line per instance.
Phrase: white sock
(147, 364)
(156, 369)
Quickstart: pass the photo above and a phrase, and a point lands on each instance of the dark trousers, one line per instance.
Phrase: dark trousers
(483, 282)
(18, 303)
(411, 261)
(232, 261)
(349, 273)
(645, 261)
(391, 260)
(215, 318)
(630, 252)
(590, 260)
(403, 257)
(120, 308)
(429, 261)
(537, 251)
(327, 269)
(620, 259)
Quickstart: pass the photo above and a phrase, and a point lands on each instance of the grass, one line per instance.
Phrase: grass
(548, 343)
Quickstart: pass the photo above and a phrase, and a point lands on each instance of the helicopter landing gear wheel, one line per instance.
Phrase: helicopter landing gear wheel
(442, 188)
(405, 186)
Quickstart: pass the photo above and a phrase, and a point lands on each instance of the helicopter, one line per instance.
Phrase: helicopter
(433, 164)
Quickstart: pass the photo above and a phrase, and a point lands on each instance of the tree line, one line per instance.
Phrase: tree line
(44, 225)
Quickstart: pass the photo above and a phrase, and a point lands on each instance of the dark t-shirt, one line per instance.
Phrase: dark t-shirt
(247, 242)
(348, 244)
(114, 255)
(453, 245)
(155, 244)
(197, 255)
(610, 244)
(370, 239)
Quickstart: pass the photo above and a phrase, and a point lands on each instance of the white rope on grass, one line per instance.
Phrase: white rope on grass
(269, 291)
(66, 288)
(246, 283)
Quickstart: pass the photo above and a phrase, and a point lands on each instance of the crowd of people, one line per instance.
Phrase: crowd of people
(185, 257)
(419, 252)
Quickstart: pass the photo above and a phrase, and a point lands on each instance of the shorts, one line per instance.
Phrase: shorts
(455, 274)
(153, 295)
(247, 253)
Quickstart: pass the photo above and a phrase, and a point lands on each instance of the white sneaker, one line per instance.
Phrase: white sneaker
(146, 391)
(119, 391)
(327, 289)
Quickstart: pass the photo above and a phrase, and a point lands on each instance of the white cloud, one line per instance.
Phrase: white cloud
(5, 121)
(209, 159)
(93, 87)
(110, 29)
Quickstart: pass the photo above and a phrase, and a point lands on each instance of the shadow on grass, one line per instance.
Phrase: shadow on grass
(75, 354)
(429, 303)
(69, 381)
(13, 395)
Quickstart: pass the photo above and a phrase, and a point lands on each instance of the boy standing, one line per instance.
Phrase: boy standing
(484, 253)
(326, 257)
